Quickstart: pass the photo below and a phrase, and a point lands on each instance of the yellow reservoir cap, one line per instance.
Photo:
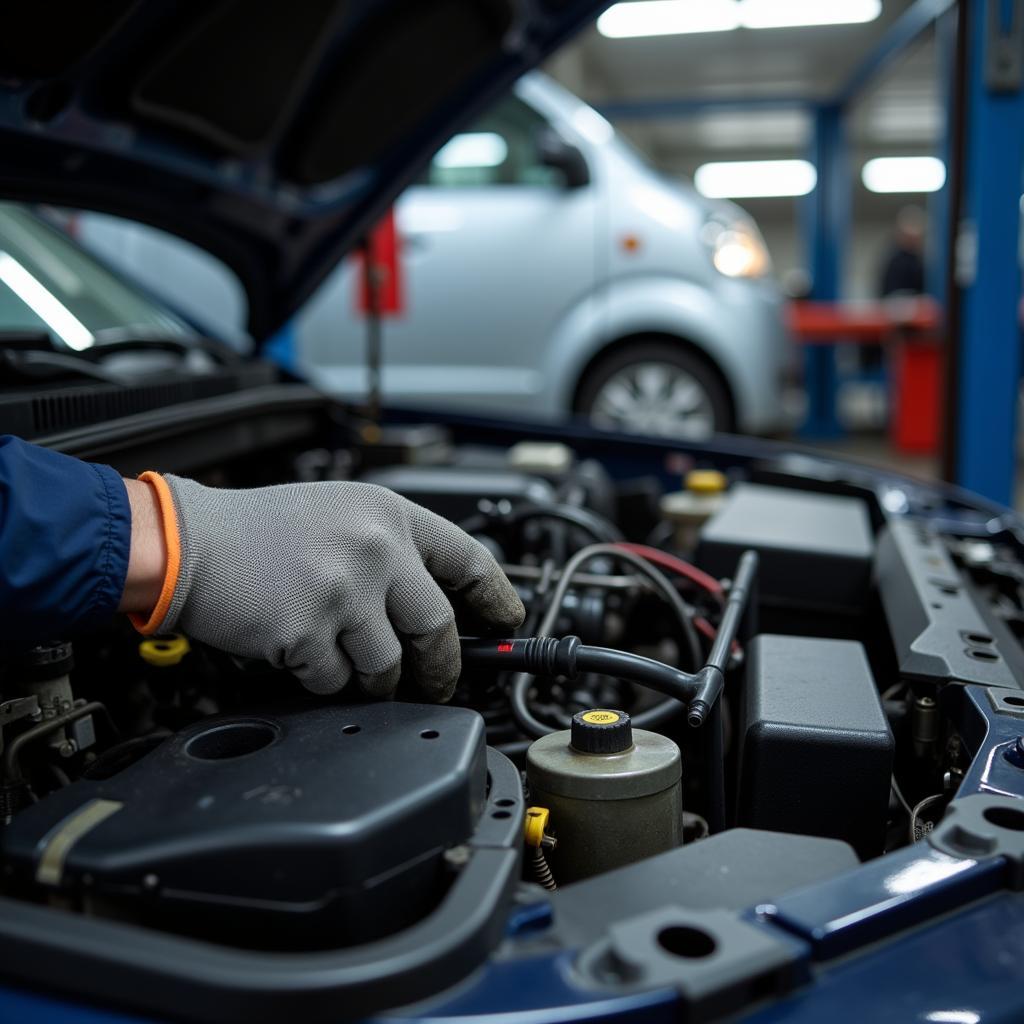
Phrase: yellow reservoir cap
(165, 650)
(534, 825)
(601, 717)
(706, 481)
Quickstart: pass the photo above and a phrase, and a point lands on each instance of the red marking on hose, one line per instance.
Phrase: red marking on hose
(504, 648)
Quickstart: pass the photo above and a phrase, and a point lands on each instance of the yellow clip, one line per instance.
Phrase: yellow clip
(165, 650)
(534, 825)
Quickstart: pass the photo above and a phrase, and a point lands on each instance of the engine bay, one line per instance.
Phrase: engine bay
(855, 637)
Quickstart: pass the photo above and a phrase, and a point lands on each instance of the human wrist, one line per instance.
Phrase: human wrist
(147, 558)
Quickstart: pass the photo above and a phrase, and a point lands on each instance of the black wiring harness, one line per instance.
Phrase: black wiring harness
(698, 691)
(568, 656)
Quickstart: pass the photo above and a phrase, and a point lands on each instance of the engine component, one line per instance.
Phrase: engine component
(691, 508)
(925, 724)
(418, 444)
(817, 749)
(45, 672)
(937, 629)
(60, 722)
(614, 793)
(165, 650)
(14, 793)
(546, 458)
(282, 826)
(816, 550)
(456, 492)
(538, 840)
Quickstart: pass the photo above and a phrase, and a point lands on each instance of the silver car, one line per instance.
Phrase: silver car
(547, 269)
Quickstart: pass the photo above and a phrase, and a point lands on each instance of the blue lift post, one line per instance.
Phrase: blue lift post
(826, 212)
(828, 224)
(940, 203)
(987, 370)
(826, 227)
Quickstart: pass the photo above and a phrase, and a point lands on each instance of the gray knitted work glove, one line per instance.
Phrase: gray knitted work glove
(322, 579)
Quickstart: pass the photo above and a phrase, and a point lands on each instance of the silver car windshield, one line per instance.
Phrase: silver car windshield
(48, 283)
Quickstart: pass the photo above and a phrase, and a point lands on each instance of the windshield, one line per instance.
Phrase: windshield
(48, 283)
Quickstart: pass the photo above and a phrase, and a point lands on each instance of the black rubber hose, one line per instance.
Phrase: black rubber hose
(549, 656)
(735, 606)
(637, 669)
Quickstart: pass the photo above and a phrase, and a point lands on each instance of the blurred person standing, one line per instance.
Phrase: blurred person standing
(902, 272)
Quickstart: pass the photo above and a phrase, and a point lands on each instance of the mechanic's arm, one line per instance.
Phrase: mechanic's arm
(325, 580)
(65, 531)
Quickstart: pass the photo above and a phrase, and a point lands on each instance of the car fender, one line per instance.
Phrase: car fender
(664, 305)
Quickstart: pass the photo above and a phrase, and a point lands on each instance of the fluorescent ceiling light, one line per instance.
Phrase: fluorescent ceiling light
(798, 13)
(473, 149)
(668, 18)
(904, 174)
(44, 304)
(752, 179)
(678, 17)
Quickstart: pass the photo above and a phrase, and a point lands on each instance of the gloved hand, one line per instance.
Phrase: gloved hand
(322, 579)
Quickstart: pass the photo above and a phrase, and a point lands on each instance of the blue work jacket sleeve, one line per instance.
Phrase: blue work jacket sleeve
(65, 534)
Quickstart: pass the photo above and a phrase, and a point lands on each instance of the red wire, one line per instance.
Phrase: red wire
(688, 571)
(705, 627)
(676, 565)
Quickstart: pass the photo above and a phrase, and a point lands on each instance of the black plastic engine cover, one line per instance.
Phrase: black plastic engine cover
(815, 550)
(817, 751)
(325, 824)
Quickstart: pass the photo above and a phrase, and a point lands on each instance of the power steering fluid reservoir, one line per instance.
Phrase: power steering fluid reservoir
(691, 508)
(614, 793)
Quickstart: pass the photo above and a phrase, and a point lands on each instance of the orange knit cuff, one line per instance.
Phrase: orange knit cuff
(172, 541)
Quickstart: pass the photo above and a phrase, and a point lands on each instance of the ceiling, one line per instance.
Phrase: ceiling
(811, 62)
(900, 111)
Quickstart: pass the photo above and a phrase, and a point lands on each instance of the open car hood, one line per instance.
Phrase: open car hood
(271, 135)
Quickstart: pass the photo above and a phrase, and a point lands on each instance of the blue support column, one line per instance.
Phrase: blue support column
(940, 203)
(826, 229)
(988, 371)
(900, 35)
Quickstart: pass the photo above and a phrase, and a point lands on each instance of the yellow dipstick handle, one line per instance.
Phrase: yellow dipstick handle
(534, 825)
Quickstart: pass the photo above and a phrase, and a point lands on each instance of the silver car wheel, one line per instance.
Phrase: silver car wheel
(659, 399)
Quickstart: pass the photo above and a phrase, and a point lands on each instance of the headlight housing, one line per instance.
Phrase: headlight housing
(737, 249)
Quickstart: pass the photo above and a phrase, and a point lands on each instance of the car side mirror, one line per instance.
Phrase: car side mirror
(556, 153)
